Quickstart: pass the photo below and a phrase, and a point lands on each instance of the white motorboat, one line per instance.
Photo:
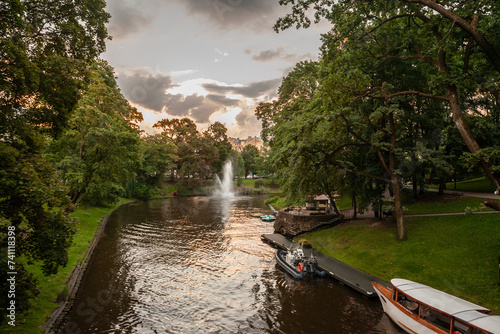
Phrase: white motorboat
(420, 309)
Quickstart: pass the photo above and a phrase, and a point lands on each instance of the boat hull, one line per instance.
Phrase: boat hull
(402, 318)
(280, 258)
(268, 218)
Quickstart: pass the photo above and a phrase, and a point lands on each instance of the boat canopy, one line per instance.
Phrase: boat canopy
(489, 323)
(440, 300)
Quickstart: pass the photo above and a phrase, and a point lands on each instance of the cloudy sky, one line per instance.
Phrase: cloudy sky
(210, 60)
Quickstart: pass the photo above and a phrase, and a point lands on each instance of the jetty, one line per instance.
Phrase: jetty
(345, 274)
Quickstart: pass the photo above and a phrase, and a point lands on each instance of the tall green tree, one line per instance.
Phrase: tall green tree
(249, 154)
(44, 47)
(196, 152)
(99, 152)
(158, 156)
(44, 51)
(455, 44)
(217, 133)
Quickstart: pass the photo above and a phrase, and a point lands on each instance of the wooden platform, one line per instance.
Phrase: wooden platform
(352, 277)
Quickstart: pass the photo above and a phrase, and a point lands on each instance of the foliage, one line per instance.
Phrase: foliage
(249, 154)
(217, 135)
(199, 155)
(158, 155)
(389, 77)
(259, 183)
(99, 152)
(448, 53)
(239, 165)
(44, 49)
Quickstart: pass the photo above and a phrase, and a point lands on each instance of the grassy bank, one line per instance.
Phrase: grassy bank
(54, 287)
(432, 202)
(456, 254)
(480, 184)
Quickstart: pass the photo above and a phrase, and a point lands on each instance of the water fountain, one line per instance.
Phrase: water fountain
(225, 189)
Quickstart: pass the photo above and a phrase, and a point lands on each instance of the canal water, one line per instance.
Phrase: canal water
(198, 265)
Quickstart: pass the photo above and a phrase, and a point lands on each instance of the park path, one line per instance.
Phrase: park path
(469, 193)
(371, 214)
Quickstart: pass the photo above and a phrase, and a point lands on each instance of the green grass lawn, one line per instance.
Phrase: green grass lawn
(475, 185)
(432, 202)
(55, 285)
(456, 254)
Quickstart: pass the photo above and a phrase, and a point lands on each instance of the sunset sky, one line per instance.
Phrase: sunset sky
(210, 60)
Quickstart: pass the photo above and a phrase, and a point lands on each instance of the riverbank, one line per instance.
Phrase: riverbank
(54, 288)
(455, 254)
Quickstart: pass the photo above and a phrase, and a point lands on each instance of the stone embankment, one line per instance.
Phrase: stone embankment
(291, 222)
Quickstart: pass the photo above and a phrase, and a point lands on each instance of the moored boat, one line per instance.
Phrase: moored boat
(268, 218)
(418, 308)
(296, 263)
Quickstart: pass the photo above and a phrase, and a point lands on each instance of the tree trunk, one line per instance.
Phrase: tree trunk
(470, 29)
(493, 205)
(397, 213)
(415, 187)
(334, 206)
(354, 205)
(466, 134)
(442, 186)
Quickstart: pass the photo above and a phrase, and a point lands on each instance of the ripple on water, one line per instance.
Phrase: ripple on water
(198, 265)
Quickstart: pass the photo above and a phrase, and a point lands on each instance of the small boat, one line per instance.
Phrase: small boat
(418, 308)
(296, 263)
(268, 218)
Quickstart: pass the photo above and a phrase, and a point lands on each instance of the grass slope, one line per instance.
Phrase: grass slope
(475, 185)
(432, 202)
(54, 286)
(456, 254)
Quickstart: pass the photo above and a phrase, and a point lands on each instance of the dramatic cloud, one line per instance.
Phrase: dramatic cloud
(200, 99)
(247, 123)
(277, 54)
(150, 91)
(145, 89)
(254, 15)
(220, 99)
(126, 19)
(253, 90)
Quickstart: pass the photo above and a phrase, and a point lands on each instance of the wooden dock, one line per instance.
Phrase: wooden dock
(347, 275)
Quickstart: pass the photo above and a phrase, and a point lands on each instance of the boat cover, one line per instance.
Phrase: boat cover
(490, 323)
(439, 300)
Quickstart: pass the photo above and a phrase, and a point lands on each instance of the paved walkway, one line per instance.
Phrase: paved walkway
(371, 214)
(469, 193)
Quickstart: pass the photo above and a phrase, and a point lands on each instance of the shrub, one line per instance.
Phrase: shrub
(259, 183)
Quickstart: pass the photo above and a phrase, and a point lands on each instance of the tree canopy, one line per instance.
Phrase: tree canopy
(392, 77)
(45, 48)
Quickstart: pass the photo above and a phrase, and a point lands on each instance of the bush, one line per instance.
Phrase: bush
(272, 200)
(259, 183)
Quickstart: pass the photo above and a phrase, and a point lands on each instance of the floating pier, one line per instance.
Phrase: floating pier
(347, 275)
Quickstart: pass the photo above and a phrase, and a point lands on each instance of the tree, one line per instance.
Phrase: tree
(217, 133)
(158, 156)
(456, 42)
(44, 50)
(197, 153)
(249, 154)
(99, 152)
(290, 126)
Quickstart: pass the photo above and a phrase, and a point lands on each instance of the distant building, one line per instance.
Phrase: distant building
(239, 144)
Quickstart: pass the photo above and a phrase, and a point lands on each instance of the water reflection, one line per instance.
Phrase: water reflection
(197, 265)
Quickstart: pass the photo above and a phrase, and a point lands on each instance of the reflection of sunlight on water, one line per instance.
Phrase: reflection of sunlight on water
(198, 265)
